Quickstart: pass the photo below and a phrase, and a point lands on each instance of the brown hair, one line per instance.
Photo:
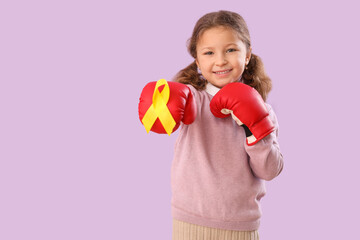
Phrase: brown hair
(254, 75)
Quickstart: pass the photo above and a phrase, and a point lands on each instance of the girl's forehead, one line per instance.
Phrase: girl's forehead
(218, 35)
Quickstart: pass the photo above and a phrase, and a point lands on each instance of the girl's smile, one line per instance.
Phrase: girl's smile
(223, 73)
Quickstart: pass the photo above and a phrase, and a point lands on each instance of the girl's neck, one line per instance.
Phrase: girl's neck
(212, 90)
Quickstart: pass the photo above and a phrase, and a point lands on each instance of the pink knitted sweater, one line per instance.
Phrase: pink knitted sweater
(217, 180)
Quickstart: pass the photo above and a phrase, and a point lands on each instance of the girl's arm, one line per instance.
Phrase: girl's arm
(265, 158)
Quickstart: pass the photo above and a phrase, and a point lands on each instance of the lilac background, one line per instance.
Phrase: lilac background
(75, 162)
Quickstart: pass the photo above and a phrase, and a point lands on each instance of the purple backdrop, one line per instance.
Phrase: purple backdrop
(75, 161)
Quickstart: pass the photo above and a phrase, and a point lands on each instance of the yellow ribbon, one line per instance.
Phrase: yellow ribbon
(159, 109)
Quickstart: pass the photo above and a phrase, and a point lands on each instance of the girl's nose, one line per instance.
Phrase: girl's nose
(221, 60)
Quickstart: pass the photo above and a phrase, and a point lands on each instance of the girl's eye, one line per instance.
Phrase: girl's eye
(208, 53)
(231, 50)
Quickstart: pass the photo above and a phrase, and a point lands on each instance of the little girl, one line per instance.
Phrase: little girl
(219, 168)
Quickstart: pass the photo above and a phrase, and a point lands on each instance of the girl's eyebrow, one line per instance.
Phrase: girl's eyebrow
(229, 44)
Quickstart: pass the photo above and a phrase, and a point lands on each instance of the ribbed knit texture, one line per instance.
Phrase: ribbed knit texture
(188, 231)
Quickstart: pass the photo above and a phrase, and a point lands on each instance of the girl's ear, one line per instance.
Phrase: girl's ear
(248, 55)
(197, 63)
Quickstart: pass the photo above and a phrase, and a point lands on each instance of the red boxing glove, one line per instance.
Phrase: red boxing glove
(180, 106)
(247, 107)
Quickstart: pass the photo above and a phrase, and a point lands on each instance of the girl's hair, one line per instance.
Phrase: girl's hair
(253, 76)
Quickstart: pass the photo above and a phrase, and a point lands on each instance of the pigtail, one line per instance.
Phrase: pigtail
(254, 75)
(190, 75)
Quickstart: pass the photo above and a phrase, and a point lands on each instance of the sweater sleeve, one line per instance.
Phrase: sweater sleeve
(193, 90)
(265, 158)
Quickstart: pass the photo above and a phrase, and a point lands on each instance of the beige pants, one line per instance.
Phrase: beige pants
(188, 231)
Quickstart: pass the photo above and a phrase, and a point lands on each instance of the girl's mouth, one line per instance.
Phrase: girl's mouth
(224, 72)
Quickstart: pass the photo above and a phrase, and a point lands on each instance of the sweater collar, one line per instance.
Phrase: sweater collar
(211, 89)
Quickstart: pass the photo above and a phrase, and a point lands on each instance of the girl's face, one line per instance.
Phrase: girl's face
(221, 56)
